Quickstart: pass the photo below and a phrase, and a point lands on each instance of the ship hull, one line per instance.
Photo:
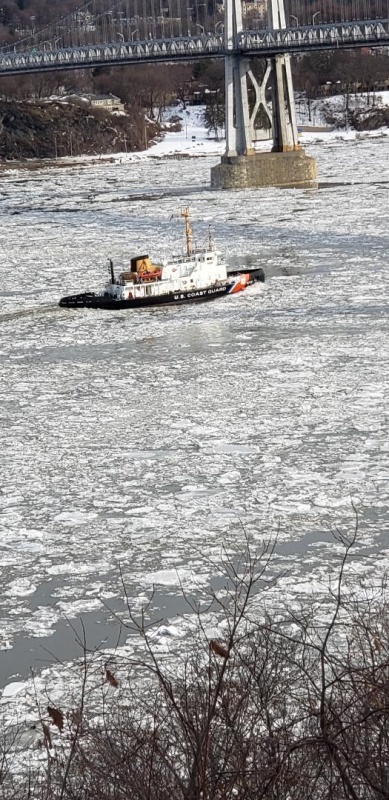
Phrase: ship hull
(109, 303)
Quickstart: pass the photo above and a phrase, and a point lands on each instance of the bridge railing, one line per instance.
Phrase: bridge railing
(124, 52)
(98, 22)
(265, 42)
(332, 35)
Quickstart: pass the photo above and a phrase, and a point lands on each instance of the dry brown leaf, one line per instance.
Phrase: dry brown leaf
(111, 678)
(218, 648)
(57, 717)
(377, 645)
(46, 733)
(76, 716)
(313, 706)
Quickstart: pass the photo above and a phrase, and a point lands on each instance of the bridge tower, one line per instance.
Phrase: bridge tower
(241, 166)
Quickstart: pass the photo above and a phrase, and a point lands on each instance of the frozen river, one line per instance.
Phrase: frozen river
(142, 442)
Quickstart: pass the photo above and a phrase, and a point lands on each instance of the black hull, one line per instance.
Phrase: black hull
(91, 300)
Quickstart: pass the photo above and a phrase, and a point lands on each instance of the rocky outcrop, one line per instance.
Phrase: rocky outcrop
(56, 129)
(369, 120)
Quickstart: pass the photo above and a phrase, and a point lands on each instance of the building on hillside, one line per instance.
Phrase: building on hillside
(109, 102)
(254, 9)
(85, 20)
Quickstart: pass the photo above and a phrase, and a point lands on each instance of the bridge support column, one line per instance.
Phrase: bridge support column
(284, 114)
(241, 167)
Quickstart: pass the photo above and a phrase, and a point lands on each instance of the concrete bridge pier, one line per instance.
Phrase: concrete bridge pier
(241, 167)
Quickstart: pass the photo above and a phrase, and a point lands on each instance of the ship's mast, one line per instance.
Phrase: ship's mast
(188, 231)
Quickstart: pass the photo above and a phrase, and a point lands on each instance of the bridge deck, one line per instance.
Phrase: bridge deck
(264, 43)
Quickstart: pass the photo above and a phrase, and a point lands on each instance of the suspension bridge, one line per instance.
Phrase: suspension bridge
(103, 32)
(120, 32)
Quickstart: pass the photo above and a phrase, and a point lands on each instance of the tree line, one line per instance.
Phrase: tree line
(152, 87)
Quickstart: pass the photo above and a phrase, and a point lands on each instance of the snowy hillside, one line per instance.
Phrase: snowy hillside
(194, 140)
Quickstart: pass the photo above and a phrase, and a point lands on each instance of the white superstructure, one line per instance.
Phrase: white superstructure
(200, 270)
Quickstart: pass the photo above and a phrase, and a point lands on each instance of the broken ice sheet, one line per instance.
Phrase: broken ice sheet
(132, 447)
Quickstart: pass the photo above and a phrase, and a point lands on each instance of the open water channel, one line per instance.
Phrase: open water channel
(136, 445)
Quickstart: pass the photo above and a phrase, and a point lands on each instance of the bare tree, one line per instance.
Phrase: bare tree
(280, 704)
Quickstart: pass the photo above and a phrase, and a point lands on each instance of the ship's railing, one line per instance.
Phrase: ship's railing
(181, 258)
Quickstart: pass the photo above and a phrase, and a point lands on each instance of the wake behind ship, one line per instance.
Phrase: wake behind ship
(199, 275)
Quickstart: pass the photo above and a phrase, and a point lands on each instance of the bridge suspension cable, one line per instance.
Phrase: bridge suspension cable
(104, 21)
(115, 21)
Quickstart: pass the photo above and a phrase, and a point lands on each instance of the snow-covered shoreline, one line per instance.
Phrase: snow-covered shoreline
(194, 141)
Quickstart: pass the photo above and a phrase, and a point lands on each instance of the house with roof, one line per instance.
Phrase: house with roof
(109, 102)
